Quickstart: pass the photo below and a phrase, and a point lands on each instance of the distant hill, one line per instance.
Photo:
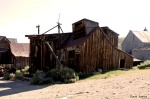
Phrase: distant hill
(120, 40)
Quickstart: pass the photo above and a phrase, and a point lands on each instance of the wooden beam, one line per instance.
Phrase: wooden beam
(53, 53)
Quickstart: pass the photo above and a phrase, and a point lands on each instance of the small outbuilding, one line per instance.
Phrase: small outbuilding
(20, 54)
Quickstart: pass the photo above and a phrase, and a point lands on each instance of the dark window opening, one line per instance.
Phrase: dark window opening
(77, 62)
(71, 54)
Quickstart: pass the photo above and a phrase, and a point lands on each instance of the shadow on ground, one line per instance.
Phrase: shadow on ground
(15, 87)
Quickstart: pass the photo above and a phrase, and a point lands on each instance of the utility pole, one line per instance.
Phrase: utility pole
(38, 26)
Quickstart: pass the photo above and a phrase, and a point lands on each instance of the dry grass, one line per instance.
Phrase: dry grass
(114, 73)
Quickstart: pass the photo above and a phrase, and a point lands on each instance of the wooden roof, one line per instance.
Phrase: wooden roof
(4, 38)
(20, 49)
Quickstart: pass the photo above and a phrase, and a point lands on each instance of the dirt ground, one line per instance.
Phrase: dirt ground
(125, 86)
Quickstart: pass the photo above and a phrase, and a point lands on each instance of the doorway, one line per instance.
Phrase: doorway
(122, 63)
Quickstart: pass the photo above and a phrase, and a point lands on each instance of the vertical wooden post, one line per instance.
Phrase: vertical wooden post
(38, 26)
(42, 67)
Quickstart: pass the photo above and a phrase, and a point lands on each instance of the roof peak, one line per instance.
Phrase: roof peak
(145, 29)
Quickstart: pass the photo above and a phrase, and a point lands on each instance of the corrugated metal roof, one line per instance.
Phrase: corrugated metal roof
(144, 36)
(141, 48)
(20, 49)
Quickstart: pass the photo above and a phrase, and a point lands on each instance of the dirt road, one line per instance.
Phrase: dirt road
(125, 86)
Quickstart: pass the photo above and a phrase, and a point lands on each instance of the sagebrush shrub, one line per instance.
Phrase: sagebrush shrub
(37, 77)
(55, 74)
(6, 76)
(63, 74)
(144, 64)
(12, 76)
(25, 70)
(46, 81)
(19, 74)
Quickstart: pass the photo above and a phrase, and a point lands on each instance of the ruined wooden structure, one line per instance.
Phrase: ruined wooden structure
(87, 49)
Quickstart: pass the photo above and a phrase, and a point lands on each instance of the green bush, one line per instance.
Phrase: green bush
(84, 75)
(12, 76)
(46, 81)
(6, 76)
(40, 79)
(37, 77)
(19, 74)
(25, 70)
(55, 74)
(63, 74)
(144, 65)
(68, 75)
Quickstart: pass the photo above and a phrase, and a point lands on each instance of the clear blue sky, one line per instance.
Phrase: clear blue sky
(20, 17)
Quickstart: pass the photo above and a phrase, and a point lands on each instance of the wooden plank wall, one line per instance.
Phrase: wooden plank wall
(112, 36)
(33, 61)
(98, 52)
(40, 55)
(21, 62)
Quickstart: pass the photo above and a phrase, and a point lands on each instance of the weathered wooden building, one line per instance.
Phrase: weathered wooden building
(5, 53)
(137, 43)
(13, 54)
(87, 49)
(20, 54)
(111, 35)
(40, 57)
